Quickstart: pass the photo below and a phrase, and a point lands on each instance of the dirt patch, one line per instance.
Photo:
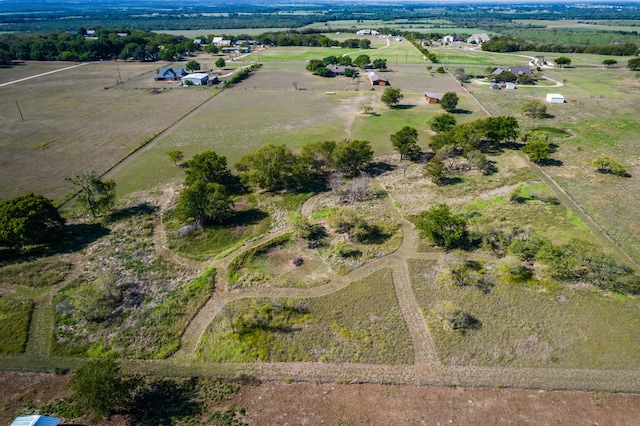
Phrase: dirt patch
(310, 404)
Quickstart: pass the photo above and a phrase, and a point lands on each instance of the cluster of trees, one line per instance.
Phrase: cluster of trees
(61, 46)
(319, 66)
(467, 140)
(209, 184)
(511, 44)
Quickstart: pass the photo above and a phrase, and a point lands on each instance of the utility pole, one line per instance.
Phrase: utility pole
(21, 116)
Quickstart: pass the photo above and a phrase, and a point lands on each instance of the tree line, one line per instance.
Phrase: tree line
(106, 44)
(511, 44)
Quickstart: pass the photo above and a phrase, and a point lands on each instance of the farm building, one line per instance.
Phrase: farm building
(431, 98)
(510, 86)
(170, 74)
(555, 98)
(213, 80)
(376, 80)
(450, 38)
(495, 86)
(196, 79)
(478, 38)
(35, 420)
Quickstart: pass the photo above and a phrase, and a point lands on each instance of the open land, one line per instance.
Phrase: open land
(374, 316)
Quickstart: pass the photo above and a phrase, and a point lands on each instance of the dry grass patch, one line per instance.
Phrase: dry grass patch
(361, 323)
(15, 316)
(43, 272)
(571, 327)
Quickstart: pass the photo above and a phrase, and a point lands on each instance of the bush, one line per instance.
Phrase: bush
(443, 228)
(609, 165)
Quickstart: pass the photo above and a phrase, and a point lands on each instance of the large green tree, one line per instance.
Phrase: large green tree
(192, 65)
(95, 195)
(442, 122)
(220, 63)
(562, 61)
(449, 101)
(101, 389)
(609, 165)
(391, 96)
(634, 64)
(537, 151)
(362, 61)
(405, 141)
(272, 168)
(208, 167)
(442, 227)
(351, 156)
(205, 203)
(28, 219)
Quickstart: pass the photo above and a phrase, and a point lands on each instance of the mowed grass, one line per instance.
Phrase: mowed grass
(524, 327)
(71, 122)
(395, 52)
(15, 316)
(360, 323)
(266, 109)
(602, 114)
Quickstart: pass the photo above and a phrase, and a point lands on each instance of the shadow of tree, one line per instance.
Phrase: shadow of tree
(163, 402)
(73, 238)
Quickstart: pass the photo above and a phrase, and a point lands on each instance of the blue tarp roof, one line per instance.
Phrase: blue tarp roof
(35, 420)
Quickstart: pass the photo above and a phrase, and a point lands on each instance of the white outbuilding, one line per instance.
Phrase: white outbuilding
(555, 98)
(196, 79)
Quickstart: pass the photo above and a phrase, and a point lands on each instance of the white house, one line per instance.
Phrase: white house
(197, 79)
(555, 98)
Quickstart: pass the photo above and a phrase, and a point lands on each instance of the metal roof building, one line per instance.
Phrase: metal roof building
(35, 420)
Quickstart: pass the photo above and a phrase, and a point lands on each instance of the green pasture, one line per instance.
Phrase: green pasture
(266, 108)
(424, 25)
(360, 323)
(602, 113)
(393, 51)
(569, 327)
(220, 31)
(604, 25)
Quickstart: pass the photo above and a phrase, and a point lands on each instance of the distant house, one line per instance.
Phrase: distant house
(122, 34)
(91, 33)
(35, 420)
(521, 70)
(213, 80)
(197, 40)
(368, 32)
(478, 38)
(216, 40)
(338, 69)
(497, 71)
(376, 80)
(431, 98)
(170, 74)
(555, 98)
(538, 61)
(196, 79)
(450, 38)
(509, 85)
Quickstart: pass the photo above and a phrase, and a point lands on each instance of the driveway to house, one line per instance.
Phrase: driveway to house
(43, 74)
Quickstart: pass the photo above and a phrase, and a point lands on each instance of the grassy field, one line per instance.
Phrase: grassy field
(602, 113)
(421, 25)
(572, 327)
(14, 325)
(220, 31)
(346, 326)
(604, 25)
(72, 123)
